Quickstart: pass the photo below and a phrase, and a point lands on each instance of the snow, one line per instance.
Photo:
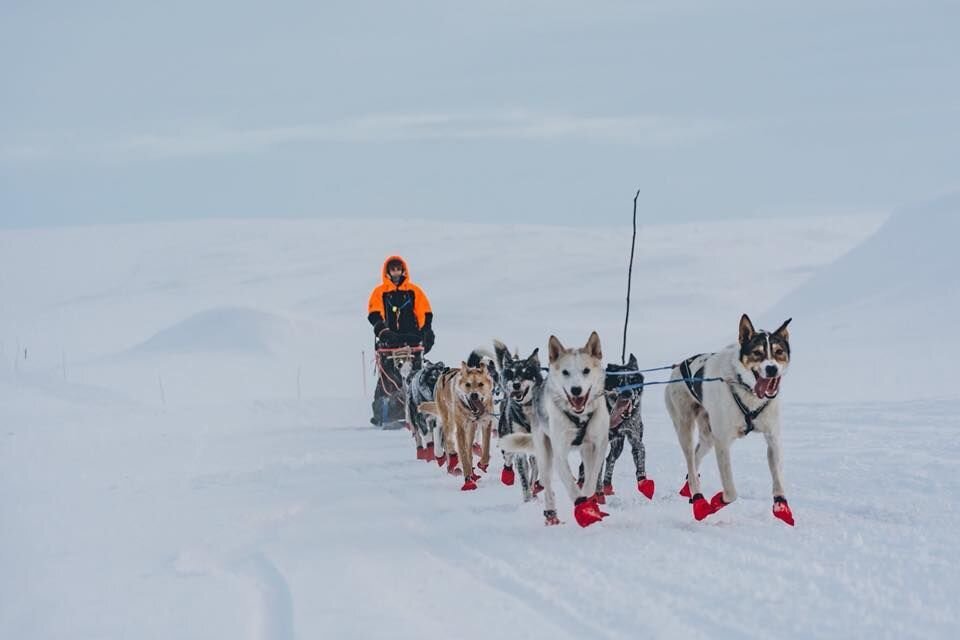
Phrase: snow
(184, 450)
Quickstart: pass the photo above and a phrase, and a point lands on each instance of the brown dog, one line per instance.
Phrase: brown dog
(464, 403)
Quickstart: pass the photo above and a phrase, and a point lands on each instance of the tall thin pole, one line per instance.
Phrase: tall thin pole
(633, 244)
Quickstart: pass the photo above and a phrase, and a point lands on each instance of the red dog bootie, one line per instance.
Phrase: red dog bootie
(507, 476)
(421, 453)
(551, 518)
(586, 512)
(781, 510)
(608, 490)
(685, 489)
(428, 453)
(646, 487)
(452, 461)
(537, 487)
(600, 498)
(483, 466)
(469, 484)
(477, 449)
(717, 503)
(701, 508)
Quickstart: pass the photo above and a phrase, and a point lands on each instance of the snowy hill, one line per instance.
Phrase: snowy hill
(185, 451)
(878, 311)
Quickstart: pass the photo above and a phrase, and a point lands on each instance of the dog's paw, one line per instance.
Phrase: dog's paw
(537, 487)
(507, 476)
(428, 453)
(701, 508)
(477, 449)
(608, 490)
(441, 460)
(469, 485)
(685, 489)
(717, 502)
(646, 487)
(600, 498)
(452, 461)
(421, 453)
(781, 510)
(483, 466)
(551, 519)
(586, 512)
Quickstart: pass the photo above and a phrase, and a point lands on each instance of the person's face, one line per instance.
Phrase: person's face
(395, 271)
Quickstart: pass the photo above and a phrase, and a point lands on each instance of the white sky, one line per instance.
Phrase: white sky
(537, 111)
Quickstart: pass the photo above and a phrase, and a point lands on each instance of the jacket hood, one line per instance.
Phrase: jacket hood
(386, 276)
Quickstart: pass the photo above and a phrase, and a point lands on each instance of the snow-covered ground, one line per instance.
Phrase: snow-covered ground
(184, 448)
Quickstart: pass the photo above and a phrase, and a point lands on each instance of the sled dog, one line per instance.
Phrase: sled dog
(571, 413)
(745, 401)
(464, 403)
(420, 388)
(522, 381)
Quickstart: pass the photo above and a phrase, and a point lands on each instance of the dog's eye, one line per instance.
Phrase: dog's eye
(565, 372)
(757, 354)
(778, 352)
(467, 385)
(586, 372)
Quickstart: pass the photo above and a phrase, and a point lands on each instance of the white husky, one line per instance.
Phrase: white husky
(745, 401)
(571, 413)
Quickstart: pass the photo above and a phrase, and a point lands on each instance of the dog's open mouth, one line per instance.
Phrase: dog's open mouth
(622, 407)
(519, 395)
(476, 405)
(767, 387)
(578, 403)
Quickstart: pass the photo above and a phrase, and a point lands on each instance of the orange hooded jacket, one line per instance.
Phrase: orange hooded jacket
(403, 308)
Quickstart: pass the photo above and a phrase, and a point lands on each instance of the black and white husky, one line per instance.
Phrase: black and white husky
(521, 381)
(624, 384)
(743, 402)
(420, 388)
(571, 414)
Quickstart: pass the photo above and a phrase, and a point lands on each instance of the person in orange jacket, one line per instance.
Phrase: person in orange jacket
(400, 314)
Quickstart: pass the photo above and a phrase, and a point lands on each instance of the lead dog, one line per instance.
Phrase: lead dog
(745, 401)
(571, 413)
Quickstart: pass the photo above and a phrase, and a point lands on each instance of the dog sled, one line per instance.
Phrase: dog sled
(394, 366)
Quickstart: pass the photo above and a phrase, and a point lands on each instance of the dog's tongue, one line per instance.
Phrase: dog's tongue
(767, 387)
(578, 403)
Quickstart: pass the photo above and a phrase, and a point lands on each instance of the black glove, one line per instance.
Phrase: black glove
(388, 337)
(428, 339)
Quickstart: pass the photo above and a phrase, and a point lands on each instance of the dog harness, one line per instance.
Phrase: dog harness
(694, 381)
(748, 416)
(581, 427)
(518, 416)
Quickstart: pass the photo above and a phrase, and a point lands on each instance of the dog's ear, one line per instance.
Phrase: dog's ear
(746, 329)
(502, 353)
(463, 366)
(554, 349)
(593, 346)
(633, 362)
(782, 331)
(534, 358)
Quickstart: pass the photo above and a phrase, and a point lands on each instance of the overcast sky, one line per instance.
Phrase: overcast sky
(504, 110)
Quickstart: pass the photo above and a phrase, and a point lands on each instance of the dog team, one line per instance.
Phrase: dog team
(584, 406)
